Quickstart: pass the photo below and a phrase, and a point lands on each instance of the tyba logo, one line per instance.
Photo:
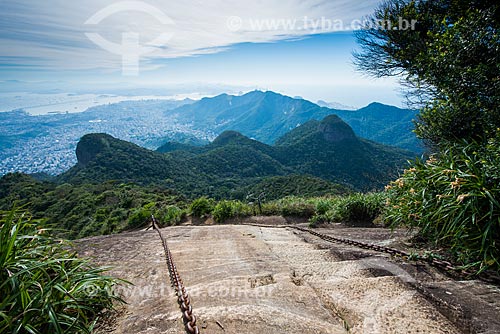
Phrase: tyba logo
(130, 48)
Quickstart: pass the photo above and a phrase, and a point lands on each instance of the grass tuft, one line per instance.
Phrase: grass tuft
(44, 286)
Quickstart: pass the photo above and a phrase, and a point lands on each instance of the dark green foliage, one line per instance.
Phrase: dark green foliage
(20, 188)
(225, 210)
(328, 149)
(172, 215)
(201, 207)
(384, 124)
(292, 185)
(103, 158)
(290, 207)
(454, 201)
(88, 209)
(359, 209)
(141, 216)
(44, 287)
(452, 60)
(98, 197)
(355, 209)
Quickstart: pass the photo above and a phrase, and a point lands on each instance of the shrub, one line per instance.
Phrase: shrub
(222, 211)
(315, 220)
(454, 199)
(45, 288)
(322, 206)
(359, 209)
(355, 209)
(271, 209)
(173, 215)
(139, 217)
(201, 207)
(225, 210)
(296, 207)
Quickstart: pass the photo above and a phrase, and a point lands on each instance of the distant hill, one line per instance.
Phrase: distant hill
(102, 157)
(266, 116)
(384, 124)
(44, 144)
(334, 105)
(328, 149)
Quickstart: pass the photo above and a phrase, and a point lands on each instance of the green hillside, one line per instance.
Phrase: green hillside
(328, 149)
(116, 184)
(265, 116)
(384, 124)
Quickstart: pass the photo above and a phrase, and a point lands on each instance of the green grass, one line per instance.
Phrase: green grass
(45, 287)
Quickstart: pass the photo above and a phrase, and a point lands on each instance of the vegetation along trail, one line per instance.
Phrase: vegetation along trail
(250, 279)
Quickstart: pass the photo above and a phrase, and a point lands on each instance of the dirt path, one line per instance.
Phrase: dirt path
(245, 279)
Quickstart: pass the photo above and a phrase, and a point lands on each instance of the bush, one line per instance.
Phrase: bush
(139, 217)
(44, 288)
(296, 207)
(315, 220)
(225, 210)
(173, 215)
(355, 209)
(358, 209)
(222, 211)
(271, 209)
(453, 199)
(201, 207)
(322, 206)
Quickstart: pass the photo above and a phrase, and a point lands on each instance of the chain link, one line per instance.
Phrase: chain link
(180, 290)
(185, 302)
(441, 264)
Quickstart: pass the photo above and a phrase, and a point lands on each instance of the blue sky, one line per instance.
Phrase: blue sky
(296, 47)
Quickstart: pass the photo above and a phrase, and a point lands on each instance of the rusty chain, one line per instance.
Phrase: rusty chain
(180, 290)
(441, 264)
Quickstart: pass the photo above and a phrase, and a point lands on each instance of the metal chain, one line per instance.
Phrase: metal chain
(444, 265)
(180, 290)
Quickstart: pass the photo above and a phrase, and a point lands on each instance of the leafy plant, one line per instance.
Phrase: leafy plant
(359, 208)
(173, 215)
(449, 59)
(453, 199)
(44, 287)
(225, 210)
(201, 207)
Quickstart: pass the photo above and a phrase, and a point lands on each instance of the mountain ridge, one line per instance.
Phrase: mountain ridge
(267, 116)
(327, 149)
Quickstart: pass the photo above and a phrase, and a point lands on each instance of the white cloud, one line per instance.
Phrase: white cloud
(50, 34)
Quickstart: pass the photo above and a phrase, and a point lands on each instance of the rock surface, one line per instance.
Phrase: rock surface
(247, 279)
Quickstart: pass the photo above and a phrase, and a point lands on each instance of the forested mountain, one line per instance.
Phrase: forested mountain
(384, 124)
(46, 143)
(328, 149)
(266, 116)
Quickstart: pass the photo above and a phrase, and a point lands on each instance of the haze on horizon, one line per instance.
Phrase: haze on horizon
(293, 47)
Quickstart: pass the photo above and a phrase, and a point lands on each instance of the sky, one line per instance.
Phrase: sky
(295, 47)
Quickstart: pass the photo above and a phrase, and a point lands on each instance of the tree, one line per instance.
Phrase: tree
(450, 59)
